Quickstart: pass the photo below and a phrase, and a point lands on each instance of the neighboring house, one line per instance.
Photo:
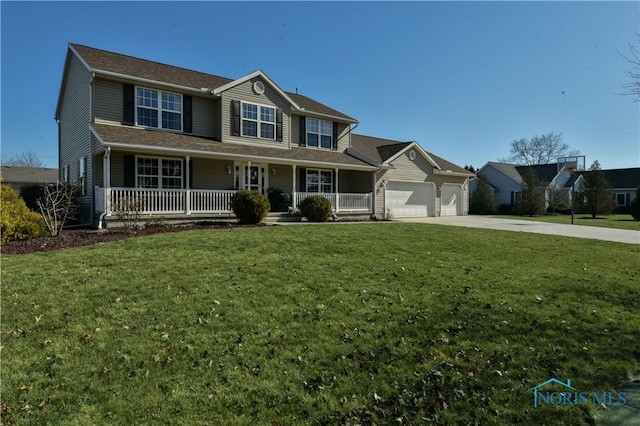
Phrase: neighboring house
(17, 177)
(557, 180)
(182, 142)
(624, 183)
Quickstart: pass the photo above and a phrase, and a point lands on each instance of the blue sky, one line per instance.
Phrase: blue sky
(464, 79)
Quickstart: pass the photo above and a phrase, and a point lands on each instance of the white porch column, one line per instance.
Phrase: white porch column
(337, 193)
(106, 176)
(187, 201)
(247, 175)
(293, 189)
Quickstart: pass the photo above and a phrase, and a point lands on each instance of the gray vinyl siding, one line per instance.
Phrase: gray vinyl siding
(283, 179)
(244, 92)
(206, 117)
(212, 174)
(98, 170)
(108, 101)
(344, 136)
(352, 181)
(117, 168)
(109, 104)
(75, 137)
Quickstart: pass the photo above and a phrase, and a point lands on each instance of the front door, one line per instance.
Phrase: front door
(255, 177)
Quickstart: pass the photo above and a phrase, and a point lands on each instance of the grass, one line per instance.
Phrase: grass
(618, 221)
(385, 323)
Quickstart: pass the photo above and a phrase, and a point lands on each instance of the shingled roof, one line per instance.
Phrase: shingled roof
(123, 136)
(125, 65)
(621, 178)
(380, 150)
(26, 175)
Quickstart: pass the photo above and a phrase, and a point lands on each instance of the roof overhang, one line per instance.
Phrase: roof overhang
(225, 155)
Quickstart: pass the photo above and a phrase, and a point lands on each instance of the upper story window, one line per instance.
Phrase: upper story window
(258, 121)
(158, 109)
(319, 133)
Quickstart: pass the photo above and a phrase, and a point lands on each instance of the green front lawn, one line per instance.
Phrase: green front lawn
(620, 221)
(385, 323)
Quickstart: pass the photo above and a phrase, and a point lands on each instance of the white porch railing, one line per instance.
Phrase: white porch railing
(187, 201)
(163, 201)
(341, 202)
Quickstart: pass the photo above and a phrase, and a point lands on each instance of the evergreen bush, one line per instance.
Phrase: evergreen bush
(316, 208)
(17, 222)
(250, 207)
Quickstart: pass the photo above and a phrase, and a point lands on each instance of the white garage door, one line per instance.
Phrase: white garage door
(409, 199)
(451, 200)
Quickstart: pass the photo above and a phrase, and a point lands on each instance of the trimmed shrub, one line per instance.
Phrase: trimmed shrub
(316, 208)
(250, 207)
(17, 222)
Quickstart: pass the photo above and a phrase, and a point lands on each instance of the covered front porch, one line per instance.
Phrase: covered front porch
(175, 186)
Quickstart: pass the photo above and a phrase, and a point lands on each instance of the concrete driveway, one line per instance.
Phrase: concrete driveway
(578, 231)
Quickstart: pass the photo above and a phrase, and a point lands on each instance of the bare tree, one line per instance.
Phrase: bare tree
(59, 204)
(632, 88)
(543, 149)
(23, 159)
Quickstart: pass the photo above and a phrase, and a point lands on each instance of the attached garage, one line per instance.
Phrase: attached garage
(451, 196)
(410, 199)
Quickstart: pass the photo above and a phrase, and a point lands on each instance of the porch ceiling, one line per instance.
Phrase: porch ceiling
(133, 138)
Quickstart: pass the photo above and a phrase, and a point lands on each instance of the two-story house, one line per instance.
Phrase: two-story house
(182, 142)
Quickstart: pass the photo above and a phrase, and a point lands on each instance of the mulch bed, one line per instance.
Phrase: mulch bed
(70, 238)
